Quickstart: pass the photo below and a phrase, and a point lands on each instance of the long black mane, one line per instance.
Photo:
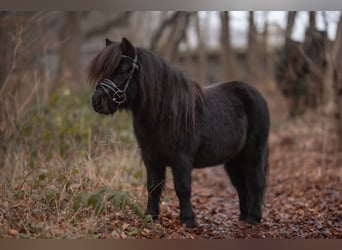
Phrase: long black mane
(167, 96)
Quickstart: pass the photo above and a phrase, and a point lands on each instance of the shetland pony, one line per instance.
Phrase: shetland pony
(183, 126)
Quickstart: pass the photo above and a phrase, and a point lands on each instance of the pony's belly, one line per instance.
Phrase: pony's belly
(212, 156)
(207, 162)
(210, 164)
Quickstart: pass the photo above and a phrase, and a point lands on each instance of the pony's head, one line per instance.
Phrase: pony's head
(137, 79)
(114, 71)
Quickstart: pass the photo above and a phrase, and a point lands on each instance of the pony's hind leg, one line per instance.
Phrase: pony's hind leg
(256, 174)
(238, 179)
(248, 175)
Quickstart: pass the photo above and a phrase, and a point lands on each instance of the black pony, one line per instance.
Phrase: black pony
(180, 125)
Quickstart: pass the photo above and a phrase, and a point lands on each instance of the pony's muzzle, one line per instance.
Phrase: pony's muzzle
(101, 104)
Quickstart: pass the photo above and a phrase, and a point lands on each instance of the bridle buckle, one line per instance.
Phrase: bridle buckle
(119, 97)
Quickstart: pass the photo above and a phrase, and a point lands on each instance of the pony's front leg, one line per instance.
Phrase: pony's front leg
(155, 184)
(182, 182)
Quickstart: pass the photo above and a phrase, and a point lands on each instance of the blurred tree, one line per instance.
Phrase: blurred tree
(337, 61)
(253, 65)
(23, 37)
(264, 52)
(70, 37)
(291, 17)
(202, 53)
(166, 23)
(314, 53)
(288, 69)
(301, 68)
(170, 33)
(312, 20)
(229, 69)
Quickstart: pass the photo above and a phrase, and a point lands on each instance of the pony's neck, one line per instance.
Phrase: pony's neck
(167, 98)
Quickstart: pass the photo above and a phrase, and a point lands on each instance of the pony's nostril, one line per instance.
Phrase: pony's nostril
(104, 102)
(101, 104)
(98, 101)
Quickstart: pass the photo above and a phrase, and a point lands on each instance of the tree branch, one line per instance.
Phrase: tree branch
(182, 32)
(120, 20)
(156, 36)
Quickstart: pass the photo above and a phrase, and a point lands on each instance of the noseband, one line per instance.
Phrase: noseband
(119, 95)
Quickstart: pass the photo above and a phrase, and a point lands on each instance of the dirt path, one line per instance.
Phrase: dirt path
(303, 199)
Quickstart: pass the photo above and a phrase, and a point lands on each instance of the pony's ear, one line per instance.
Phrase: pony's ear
(127, 48)
(108, 42)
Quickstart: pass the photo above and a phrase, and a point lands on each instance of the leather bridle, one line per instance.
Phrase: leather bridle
(119, 94)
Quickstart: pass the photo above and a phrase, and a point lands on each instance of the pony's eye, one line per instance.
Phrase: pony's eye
(122, 71)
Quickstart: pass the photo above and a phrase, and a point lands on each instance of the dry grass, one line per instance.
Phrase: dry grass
(65, 197)
(68, 173)
(69, 198)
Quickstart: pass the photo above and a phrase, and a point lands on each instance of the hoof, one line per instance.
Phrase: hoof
(188, 222)
(242, 217)
(155, 217)
(252, 220)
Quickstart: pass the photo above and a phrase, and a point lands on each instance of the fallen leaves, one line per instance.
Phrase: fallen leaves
(13, 232)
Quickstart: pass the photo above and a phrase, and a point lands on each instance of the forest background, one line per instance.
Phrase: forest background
(68, 172)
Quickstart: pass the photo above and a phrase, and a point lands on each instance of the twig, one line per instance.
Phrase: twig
(324, 147)
(158, 185)
(29, 97)
(19, 31)
(27, 175)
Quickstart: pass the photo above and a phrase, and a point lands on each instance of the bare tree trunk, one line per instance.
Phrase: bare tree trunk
(170, 46)
(190, 67)
(312, 20)
(170, 34)
(302, 68)
(314, 48)
(329, 95)
(202, 53)
(337, 59)
(252, 51)
(228, 59)
(155, 40)
(225, 45)
(289, 69)
(264, 53)
(69, 52)
(325, 20)
(291, 17)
